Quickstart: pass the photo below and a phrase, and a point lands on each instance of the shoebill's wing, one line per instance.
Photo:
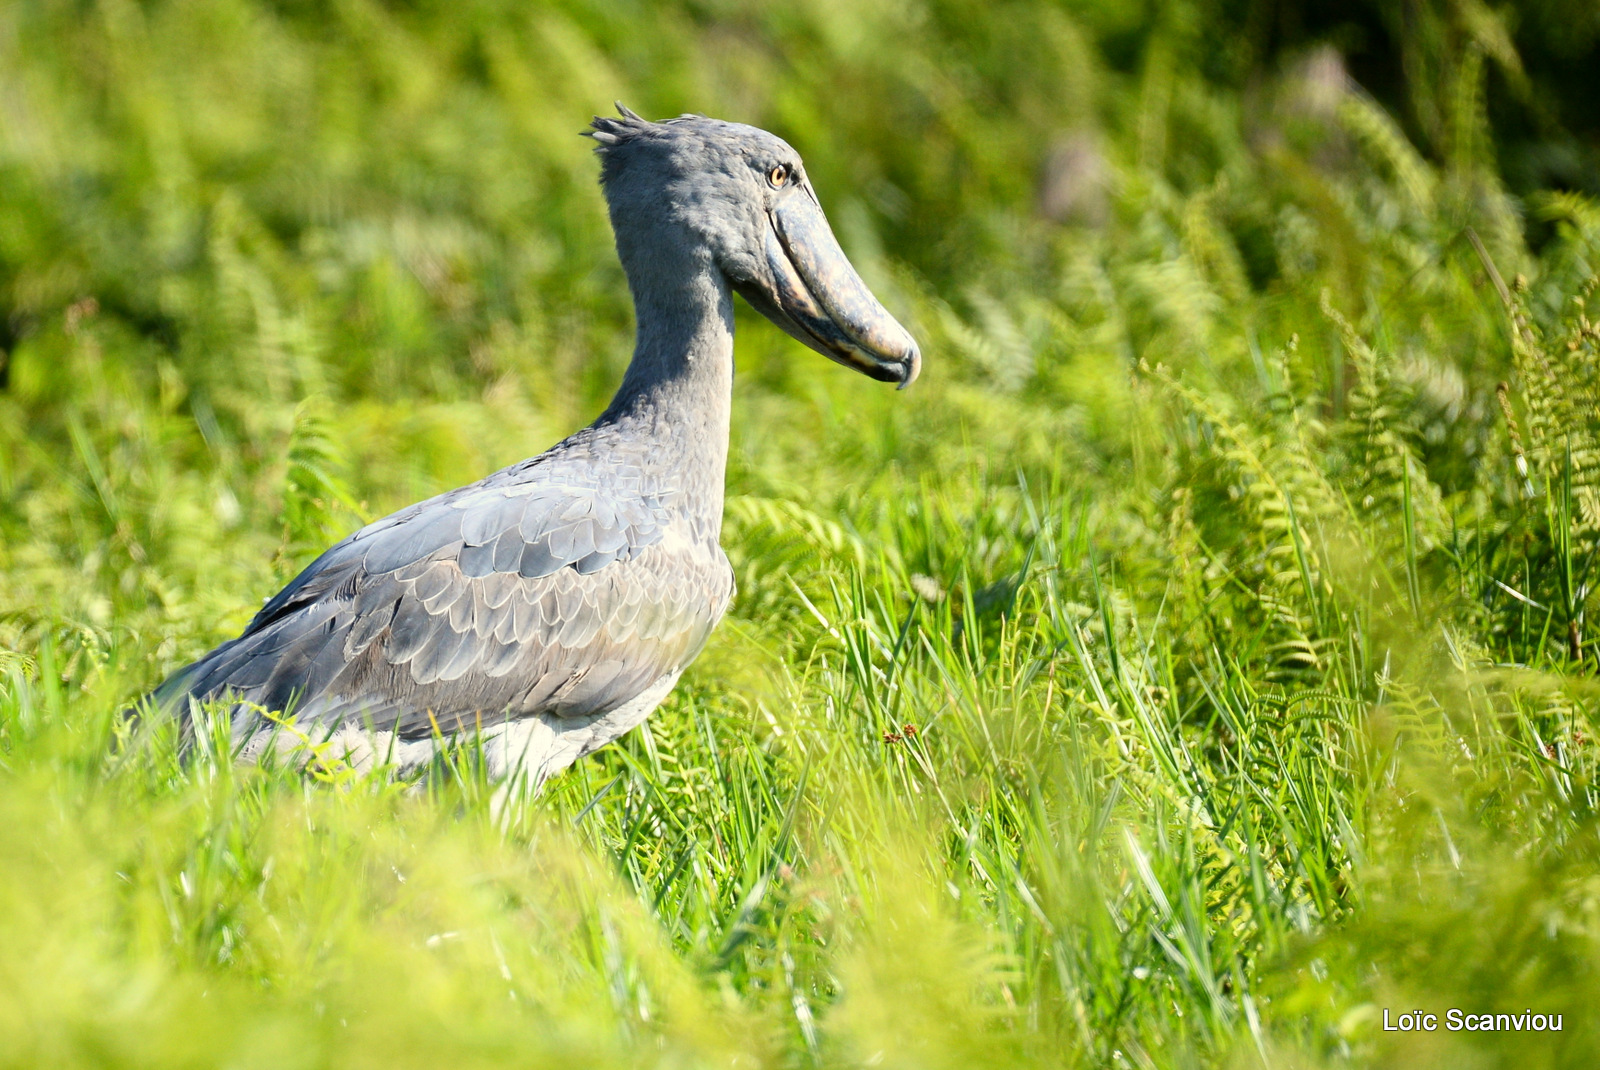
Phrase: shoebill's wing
(489, 602)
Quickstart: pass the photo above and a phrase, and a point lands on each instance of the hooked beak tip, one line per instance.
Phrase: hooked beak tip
(912, 363)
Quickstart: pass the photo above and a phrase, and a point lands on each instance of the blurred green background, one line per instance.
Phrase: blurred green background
(1193, 665)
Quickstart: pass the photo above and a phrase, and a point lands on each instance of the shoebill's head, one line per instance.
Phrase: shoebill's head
(692, 192)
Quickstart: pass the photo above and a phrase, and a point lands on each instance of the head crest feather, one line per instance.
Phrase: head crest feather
(612, 132)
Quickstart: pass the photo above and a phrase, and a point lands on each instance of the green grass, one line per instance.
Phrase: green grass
(1193, 665)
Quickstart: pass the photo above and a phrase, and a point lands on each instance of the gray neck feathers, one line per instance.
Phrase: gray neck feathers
(678, 388)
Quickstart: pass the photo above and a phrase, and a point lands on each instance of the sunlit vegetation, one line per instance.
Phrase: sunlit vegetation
(1192, 665)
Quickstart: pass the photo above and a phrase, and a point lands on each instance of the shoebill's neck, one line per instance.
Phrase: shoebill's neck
(678, 389)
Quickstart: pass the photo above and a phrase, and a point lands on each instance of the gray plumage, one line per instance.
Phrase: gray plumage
(552, 604)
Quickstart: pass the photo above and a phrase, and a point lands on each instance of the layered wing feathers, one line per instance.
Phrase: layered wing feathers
(499, 600)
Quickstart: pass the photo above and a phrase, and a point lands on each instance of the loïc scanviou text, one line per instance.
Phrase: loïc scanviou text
(1457, 1020)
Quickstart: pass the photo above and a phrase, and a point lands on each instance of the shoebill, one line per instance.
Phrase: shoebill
(549, 607)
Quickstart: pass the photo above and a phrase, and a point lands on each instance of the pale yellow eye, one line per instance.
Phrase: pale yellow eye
(778, 176)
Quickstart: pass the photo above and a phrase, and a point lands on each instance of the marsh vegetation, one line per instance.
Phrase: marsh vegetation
(1193, 665)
